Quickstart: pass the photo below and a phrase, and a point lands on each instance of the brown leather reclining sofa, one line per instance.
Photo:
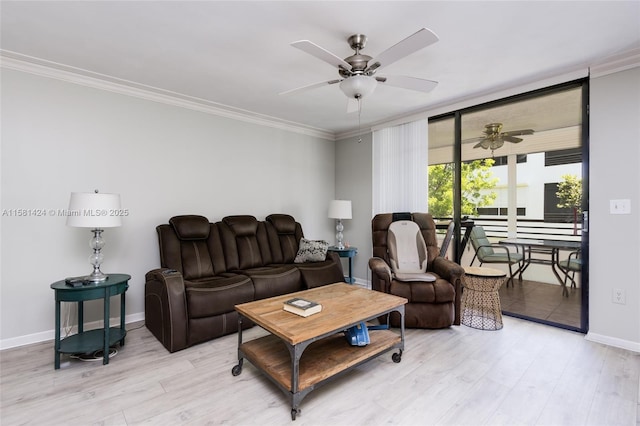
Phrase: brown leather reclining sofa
(208, 268)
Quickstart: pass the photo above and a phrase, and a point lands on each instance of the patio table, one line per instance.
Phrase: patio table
(544, 247)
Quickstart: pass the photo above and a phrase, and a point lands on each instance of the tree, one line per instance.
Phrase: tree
(570, 196)
(477, 182)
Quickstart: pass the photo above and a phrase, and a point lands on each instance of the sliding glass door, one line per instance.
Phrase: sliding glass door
(517, 168)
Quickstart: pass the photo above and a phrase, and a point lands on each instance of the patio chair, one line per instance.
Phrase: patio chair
(569, 267)
(487, 252)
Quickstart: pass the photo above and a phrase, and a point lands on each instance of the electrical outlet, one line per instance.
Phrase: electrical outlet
(619, 296)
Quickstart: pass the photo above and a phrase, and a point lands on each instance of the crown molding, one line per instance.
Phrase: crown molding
(16, 61)
(616, 63)
(609, 65)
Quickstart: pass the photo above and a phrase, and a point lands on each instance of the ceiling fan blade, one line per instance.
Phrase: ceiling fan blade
(310, 87)
(518, 132)
(411, 83)
(470, 140)
(485, 143)
(353, 105)
(409, 45)
(511, 139)
(321, 53)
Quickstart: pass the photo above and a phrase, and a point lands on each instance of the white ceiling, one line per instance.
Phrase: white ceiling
(237, 54)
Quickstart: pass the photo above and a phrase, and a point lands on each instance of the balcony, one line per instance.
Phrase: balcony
(538, 296)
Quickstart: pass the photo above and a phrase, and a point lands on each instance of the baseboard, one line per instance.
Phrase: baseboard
(44, 336)
(613, 341)
(362, 283)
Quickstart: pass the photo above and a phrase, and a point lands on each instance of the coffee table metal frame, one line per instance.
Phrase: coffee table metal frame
(382, 341)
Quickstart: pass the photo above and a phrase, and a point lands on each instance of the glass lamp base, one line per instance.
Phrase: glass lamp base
(96, 277)
(339, 235)
(96, 257)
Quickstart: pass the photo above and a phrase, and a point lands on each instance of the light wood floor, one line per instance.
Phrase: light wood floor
(524, 374)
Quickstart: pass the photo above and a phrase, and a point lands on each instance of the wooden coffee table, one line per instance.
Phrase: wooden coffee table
(319, 337)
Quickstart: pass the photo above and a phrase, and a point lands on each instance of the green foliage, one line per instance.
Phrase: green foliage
(570, 192)
(477, 182)
(570, 196)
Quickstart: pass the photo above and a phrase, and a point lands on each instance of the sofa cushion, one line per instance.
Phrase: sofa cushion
(316, 274)
(284, 223)
(189, 250)
(438, 291)
(242, 226)
(245, 243)
(190, 227)
(217, 295)
(311, 251)
(284, 235)
(196, 260)
(274, 280)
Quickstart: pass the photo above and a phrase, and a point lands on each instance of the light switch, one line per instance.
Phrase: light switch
(620, 206)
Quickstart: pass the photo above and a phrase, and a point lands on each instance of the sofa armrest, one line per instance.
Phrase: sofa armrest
(381, 274)
(335, 258)
(166, 308)
(452, 272)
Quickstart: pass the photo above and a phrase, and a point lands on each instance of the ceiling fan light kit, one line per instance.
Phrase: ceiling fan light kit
(358, 86)
(357, 71)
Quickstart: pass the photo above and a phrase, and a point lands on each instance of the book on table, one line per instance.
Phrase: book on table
(302, 307)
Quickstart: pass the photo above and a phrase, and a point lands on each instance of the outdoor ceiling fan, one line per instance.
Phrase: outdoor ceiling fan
(494, 137)
(357, 71)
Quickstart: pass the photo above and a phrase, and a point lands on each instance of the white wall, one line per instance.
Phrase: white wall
(354, 182)
(614, 239)
(59, 137)
(614, 174)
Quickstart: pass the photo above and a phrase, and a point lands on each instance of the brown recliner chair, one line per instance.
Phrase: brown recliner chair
(433, 303)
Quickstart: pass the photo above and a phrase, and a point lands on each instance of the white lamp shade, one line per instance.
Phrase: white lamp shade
(94, 210)
(358, 86)
(340, 209)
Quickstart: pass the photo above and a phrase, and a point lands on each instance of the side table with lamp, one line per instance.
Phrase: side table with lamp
(340, 210)
(350, 253)
(84, 342)
(95, 211)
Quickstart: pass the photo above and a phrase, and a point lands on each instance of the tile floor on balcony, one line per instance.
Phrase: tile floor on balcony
(542, 301)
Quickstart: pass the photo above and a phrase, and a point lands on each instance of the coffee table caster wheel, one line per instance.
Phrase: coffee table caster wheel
(236, 370)
(294, 413)
(397, 357)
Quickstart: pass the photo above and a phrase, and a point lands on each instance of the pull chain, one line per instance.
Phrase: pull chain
(359, 99)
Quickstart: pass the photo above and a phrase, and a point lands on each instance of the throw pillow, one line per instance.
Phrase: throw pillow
(311, 251)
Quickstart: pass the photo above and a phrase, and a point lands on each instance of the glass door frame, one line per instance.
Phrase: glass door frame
(583, 84)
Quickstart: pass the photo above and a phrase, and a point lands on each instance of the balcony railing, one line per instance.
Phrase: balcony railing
(534, 229)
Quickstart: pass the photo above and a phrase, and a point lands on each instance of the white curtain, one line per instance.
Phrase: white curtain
(400, 179)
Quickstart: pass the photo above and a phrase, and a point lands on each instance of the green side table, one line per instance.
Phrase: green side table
(92, 340)
(349, 252)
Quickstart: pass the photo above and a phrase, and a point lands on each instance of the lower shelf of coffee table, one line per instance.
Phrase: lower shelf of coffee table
(321, 360)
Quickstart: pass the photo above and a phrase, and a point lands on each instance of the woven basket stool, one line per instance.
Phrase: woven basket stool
(480, 299)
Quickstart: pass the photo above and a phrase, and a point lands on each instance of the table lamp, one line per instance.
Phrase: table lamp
(340, 209)
(95, 211)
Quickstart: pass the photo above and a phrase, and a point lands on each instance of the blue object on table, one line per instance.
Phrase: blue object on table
(358, 335)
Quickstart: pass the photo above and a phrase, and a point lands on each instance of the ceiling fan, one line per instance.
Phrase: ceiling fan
(494, 137)
(357, 71)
